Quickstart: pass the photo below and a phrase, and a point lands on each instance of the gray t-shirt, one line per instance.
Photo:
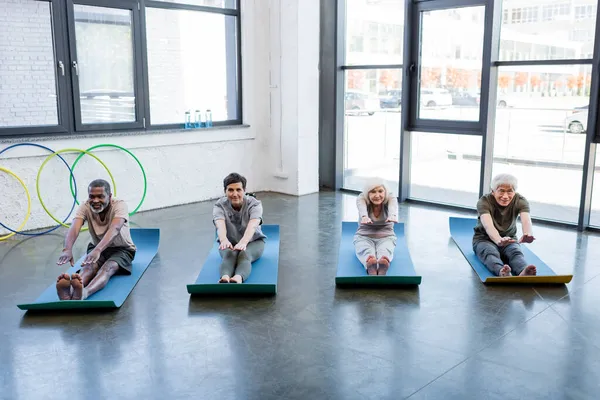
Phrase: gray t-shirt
(236, 222)
(505, 218)
(379, 228)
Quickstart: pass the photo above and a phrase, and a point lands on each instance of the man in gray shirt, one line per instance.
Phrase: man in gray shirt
(237, 218)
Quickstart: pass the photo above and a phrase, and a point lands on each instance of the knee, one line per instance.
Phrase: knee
(109, 267)
(228, 254)
(243, 256)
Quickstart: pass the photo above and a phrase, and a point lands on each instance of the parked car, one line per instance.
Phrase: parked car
(391, 99)
(360, 101)
(577, 122)
(465, 98)
(435, 97)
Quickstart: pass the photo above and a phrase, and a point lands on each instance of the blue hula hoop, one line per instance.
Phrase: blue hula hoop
(74, 197)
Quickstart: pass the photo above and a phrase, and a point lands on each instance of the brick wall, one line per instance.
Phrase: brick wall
(27, 67)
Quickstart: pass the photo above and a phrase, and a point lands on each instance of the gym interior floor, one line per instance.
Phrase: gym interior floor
(450, 338)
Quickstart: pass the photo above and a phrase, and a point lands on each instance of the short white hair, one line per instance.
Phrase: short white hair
(371, 184)
(504, 179)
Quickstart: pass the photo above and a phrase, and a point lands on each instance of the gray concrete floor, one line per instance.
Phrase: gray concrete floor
(450, 338)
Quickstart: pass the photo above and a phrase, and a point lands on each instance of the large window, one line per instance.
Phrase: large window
(542, 114)
(512, 92)
(28, 82)
(375, 32)
(372, 114)
(180, 77)
(372, 96)
(104, 65)
(450, 67)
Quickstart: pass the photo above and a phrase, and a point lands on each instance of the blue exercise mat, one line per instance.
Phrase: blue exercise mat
(461, 230)
(118, 287)
(262, 279)
(351, 272)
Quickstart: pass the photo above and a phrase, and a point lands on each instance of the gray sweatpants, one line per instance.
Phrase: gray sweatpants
(494, 257)
(365, 246)
(236, 262)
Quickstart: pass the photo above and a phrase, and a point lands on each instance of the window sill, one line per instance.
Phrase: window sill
(129, 139)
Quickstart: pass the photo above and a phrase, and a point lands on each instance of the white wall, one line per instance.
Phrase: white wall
(184, 167)
(292, 144)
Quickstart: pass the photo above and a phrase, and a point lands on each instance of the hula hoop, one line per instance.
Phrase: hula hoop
(72, 181)
(37, 183)
(74, 194)
(28, 202)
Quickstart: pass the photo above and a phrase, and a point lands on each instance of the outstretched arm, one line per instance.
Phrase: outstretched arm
(363, 213)
(113, 230)
(248, 233)
(527, 228)
(490, 229)
(392, 209)
(222, 235)
(72, 234)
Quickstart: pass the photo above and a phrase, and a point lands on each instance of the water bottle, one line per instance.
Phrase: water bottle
(188, 119)
(197, 119)
(208, 119)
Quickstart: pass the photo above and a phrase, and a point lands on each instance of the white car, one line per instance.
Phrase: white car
(577, 122)
(435, 97)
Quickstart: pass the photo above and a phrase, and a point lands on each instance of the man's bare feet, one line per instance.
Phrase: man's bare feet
(529, 271)
(505, 271)
(224, 279)
(63, 287)
(236, 279)
(371, 265)
(77, 286)
(384, 264)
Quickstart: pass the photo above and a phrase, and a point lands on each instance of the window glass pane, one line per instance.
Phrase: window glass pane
(595, 214)
(104, 42)
(374, 32)
(208, 3)
(27, 65)
(188, 73)
(372, 126)
(548, 30)
(450, 67)
(445, 168)
(539, 136)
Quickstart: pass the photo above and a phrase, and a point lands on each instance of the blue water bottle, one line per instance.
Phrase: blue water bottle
(197, 119)
(188, 119)
(208, 119)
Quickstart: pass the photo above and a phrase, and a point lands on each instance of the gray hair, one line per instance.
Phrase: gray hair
(371, 184)
(504, 179)
(96, 183)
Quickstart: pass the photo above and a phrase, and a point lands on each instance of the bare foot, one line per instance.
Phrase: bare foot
(224, 279)
(371, 265)
(236, 279)
(529, 270)
(63, 287)
(505, 271)
(384, 264)
(77, 286)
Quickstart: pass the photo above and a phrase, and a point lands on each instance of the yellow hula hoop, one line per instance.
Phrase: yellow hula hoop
(28, 203)
(37, 183)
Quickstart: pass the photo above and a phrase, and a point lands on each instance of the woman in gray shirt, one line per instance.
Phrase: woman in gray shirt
(237, 218)
(375, 240)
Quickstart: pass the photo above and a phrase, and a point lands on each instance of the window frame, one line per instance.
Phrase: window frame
(67, 88)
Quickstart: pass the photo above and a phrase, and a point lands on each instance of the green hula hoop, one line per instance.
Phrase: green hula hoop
(37, 182)
(120, 148)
